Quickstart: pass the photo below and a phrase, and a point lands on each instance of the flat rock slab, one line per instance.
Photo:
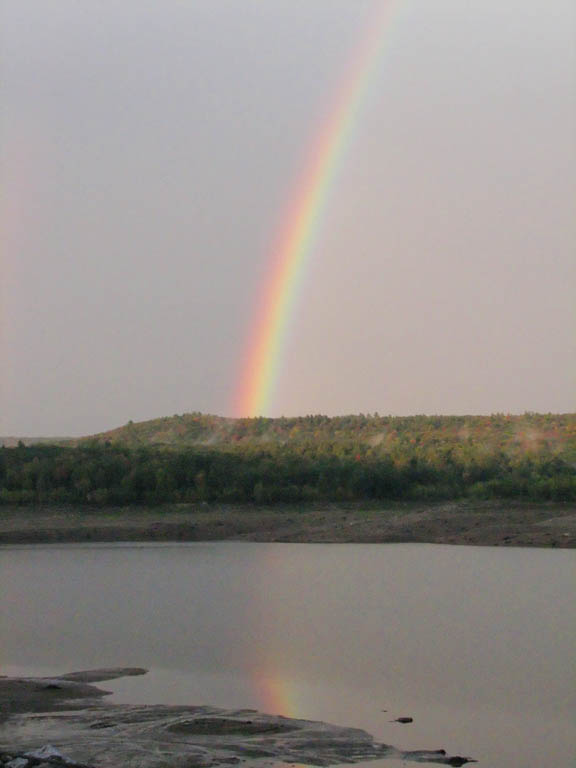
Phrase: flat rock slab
(68, 713)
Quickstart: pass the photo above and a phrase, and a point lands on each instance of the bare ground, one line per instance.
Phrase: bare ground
(457, 522)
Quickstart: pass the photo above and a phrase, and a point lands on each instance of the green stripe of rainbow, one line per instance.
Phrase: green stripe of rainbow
(267, 340)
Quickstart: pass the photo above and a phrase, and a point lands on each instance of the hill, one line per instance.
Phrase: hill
(527, 434)
(200, 458)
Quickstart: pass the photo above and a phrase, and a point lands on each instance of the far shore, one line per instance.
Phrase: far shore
(493, 523)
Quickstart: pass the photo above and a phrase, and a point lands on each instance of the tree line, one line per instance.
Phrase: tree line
(105, 473)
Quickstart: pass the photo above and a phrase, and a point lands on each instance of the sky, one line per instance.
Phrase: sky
(148, 152)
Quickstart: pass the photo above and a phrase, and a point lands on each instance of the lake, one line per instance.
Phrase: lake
(475, 643)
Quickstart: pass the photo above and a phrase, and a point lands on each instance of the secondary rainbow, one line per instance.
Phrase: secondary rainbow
(301, 224)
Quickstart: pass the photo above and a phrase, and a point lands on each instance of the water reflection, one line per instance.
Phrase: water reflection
(476, 644)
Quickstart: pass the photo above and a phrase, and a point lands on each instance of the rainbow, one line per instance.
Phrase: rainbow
(278, 695)
(301, 224)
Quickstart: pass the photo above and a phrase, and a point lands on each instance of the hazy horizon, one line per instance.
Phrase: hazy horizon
(148, 152)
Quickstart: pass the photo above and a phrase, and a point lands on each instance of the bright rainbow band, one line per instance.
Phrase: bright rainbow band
(299, 232)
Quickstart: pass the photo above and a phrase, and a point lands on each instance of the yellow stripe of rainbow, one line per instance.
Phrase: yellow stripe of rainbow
(267, 339)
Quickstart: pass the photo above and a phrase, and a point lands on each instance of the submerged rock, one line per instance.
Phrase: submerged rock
(70, 725)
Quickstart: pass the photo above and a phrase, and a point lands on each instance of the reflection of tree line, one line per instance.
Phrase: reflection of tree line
(351, 458)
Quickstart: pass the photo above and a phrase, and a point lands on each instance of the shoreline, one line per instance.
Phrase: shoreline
(482, 523)
(65, 721)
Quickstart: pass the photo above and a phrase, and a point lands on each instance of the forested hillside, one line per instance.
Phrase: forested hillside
(530, 433)
(199, 458)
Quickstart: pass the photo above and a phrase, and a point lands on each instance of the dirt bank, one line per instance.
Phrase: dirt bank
(478, 523)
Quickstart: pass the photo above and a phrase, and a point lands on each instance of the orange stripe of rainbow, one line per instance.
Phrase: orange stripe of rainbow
(267, 339)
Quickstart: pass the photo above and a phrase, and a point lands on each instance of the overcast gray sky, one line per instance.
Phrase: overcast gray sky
(148, 150)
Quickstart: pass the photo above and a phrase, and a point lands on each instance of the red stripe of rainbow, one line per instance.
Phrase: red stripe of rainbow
(267, 339)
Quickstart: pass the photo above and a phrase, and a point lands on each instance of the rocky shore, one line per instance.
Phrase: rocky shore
(64, 721)
(457, 522)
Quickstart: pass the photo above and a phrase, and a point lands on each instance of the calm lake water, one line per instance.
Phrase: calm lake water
(476, 644)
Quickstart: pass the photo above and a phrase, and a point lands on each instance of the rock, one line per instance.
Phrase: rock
(91, 732)
(100, 675)
(52, 758)
(45, 753)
